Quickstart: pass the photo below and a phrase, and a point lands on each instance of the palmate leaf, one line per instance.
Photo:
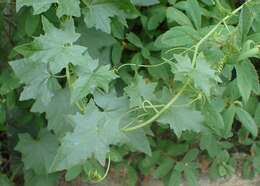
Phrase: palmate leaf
(37, 155)
(55, 47)
(118, 106)
(94, 131)
(39, 83)
(95, 41)
(90, 78)
(57, 111)
(176, 115)
(98, 14)
(203, 75)
(65, 7)
(39, 6)
(109, 102)
(32, 179)
(69, 8)
(139, 91)
(181, 119)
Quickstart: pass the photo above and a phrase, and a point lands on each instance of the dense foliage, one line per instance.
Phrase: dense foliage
(135, 88)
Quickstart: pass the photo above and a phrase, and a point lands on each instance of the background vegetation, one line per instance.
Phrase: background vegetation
(167, 89)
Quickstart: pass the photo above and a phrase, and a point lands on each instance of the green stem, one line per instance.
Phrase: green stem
(68, 76)
(59, 76)
(106, 173)
(158, 114)
(146, 66)
(212, 31)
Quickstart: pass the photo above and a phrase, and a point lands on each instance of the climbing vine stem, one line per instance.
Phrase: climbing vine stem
(159, 113)
(106, 173)
(197, 46)
(194, 60)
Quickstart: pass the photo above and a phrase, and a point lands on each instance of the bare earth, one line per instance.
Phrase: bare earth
(204, 181)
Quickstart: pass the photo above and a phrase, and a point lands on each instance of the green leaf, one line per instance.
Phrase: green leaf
(134, 39)
(172, 2)
(94, 132)
(203, 75)
(177, 118)
(222, 171)
(72, 173)
(213, 119)
(178, 36)
(247, 171)
(38, 6)
(69, 8)
(175, 178)
(178, 16)
(164, 168)
(99, 15)
(191, 177)
(2, 116)
(247, 121)
(4, 181)
(132, 176)
(232, 91)
(228, 117)
(149, 162)
(55, 47)
(110, 102)
(145, 2)
(32, 179)
(31, 24)
(209, 2)
(256, 158)
(257, 114)
(191, 155)
(117, 53)
(177, 149)
(57, 111)
(90, 78)
(157, 17)
(160, 72)
(209, 142)
(139, 91)
(8, 82)
(38, 154)
(194, 11)
(246, 20)
(39, 83)
(248, 50)
(247, 79)
(96, 41)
